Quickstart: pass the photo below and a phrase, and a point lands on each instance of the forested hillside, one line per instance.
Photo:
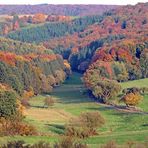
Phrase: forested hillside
(121, 59)
(69, 10)
(106, 38)
(73, 76)
(114, 38)
(48, 31)
(27, 67)
(120, 36)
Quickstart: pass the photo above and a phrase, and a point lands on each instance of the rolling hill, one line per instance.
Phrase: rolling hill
(69, 10)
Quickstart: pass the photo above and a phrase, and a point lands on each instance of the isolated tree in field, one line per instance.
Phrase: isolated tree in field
(92, 120)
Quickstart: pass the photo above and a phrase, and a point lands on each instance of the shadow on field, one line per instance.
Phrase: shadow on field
(71, 95)
(144, 124)
(100, 108)
(55, 128)
(38, 106)
(71, 91)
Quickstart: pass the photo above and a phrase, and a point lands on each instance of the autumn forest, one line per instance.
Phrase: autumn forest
(74, 76)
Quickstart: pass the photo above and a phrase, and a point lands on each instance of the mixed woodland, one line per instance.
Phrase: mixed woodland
(41, 46)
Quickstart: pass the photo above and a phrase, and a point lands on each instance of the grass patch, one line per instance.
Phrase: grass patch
(135, 83)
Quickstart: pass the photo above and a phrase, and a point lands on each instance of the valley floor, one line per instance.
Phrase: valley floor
(71, 101)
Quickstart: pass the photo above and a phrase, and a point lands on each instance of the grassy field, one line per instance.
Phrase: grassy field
(136, 83)
(70, 102)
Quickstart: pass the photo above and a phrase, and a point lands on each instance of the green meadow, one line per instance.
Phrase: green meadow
(71, 101)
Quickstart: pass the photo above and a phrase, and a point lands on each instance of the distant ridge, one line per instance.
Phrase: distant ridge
(73, 10)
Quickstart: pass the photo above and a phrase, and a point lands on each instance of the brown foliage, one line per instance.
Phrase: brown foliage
(53, 18)
(15, 127)
(49, 101)
(46, 88)
(92, 120)
(39, 18)
(102, 88)
(65, 142)
(68, 142)
(28, 94)
(144, 90)
(110, 144)
(85, 125)
(131, 99)
(59, 76)
(25, 103)
(16, 25)
(5, 29)
(80, 132)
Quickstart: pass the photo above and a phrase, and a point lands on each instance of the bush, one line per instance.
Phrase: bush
(40, 144)
(131, 99)
(131, 90)
(15, 144)
(49, 101)
(92, 120)
(22, 144)
(68, 142)
(73, 131)
(110, 144)
(85, 125)
(130, 144)
(15, 127)
(144, 90)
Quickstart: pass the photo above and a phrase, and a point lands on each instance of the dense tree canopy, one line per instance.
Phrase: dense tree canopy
(26, 65)
(51, 30)
(101, 87)
(8, 102)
